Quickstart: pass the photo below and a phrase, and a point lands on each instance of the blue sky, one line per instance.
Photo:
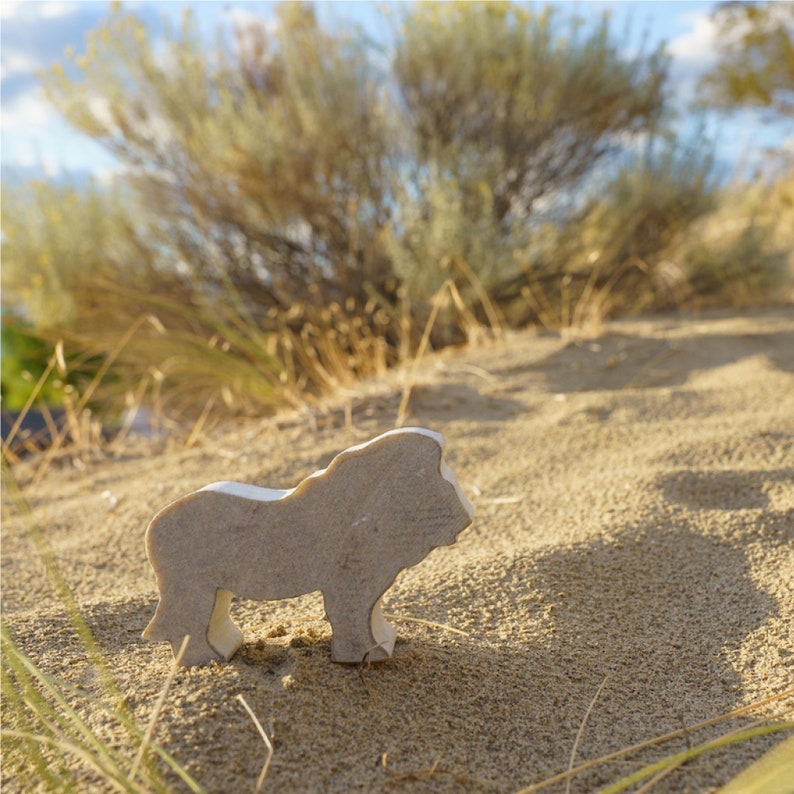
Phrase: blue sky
(35, 34)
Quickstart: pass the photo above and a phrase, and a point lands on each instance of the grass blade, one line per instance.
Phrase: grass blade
(265, 738)
(773, 773)
(584, 766)
(693, 752)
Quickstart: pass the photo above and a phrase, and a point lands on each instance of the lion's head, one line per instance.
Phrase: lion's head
(399, 494)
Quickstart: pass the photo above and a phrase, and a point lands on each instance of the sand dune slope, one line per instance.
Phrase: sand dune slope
(634, 498)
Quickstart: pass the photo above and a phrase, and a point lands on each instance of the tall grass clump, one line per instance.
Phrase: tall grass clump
(50, 737)
(742, 253)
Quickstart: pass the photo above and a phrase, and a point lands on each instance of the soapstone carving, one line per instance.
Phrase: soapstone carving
(347, 530)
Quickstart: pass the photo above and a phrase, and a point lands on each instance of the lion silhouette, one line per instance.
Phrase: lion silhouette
(347, 531)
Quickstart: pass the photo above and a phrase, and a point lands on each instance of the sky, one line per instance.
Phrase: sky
(34, 35)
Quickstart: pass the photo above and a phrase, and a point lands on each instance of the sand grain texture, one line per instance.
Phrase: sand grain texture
(634, 498)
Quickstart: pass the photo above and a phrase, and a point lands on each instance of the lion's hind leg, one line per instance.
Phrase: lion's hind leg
(202, 614)
(222, 635)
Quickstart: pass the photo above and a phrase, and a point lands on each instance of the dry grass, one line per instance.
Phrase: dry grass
(265, 738)
(48, 739)
(214, 370)
(446, 294)
(669, 762)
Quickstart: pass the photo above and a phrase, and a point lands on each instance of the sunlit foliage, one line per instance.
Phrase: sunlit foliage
(756, 57)
(290, 200)
(266, 162)
(520, 100)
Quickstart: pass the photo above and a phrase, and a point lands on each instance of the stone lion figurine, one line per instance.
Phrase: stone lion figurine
(347, 530)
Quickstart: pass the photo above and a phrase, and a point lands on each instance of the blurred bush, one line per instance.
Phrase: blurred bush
(755, 65)
(23, 363)
(742, 253)
(289, 204)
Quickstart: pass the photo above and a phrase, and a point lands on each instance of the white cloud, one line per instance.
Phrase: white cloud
(55, 10)
(26, 9)
(35, 35)
(28, 111)
(10, 9)
(693, 53)
(697, 47)
(36, 138)
(16, 62)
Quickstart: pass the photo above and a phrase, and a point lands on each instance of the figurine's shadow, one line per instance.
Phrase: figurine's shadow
(722, 489)
(619, 360)
(115, 627)
(455, 398)
(118, 625)
(656, 611)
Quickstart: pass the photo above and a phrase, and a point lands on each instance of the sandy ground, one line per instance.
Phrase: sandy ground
(634, 498)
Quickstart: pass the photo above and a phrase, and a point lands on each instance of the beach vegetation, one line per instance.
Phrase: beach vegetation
(291, 202)
(755, 67)
(298, 208)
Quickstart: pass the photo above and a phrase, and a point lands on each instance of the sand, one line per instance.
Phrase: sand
(634, 497)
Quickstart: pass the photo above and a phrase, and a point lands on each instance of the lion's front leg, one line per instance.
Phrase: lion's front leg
(360, 633)
(382, 631)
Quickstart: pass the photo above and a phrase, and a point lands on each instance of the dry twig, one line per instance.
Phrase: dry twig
(265, 738)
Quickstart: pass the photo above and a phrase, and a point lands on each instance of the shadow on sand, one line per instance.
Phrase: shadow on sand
(659, 615)
(625, 361)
